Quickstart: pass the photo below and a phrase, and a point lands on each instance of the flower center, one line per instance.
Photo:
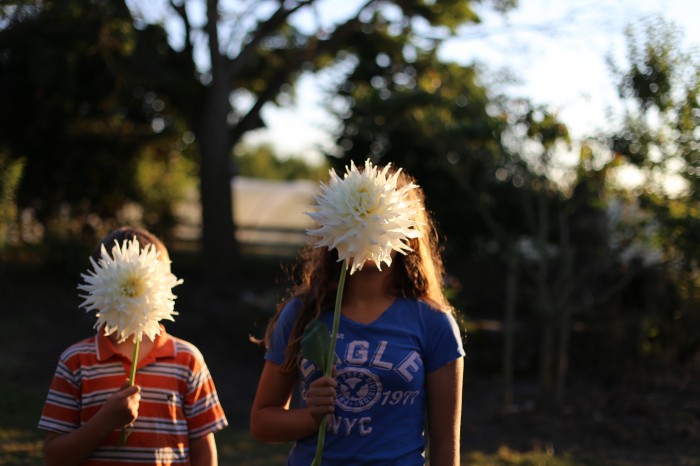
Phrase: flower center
(366, 203)
(132, 286)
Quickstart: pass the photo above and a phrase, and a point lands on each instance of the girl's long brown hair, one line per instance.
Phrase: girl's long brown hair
(417, 275)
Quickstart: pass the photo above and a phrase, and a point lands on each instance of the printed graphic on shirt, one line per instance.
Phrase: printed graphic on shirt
(360, 374)
(358, 389)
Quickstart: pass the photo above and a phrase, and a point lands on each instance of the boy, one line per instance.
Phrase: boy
(171, 412)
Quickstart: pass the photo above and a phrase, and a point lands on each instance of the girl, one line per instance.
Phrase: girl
(398, 362)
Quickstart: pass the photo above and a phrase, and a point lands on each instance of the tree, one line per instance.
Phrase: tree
(660, 87)
(468, 151)
(256, 51)
(261, 162)
(215, 70)
(77, 110)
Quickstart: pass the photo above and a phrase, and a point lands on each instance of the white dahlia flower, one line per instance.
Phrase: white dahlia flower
(131, 290)
(365, 216)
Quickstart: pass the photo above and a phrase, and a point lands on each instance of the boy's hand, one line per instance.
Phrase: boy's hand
(122, 407)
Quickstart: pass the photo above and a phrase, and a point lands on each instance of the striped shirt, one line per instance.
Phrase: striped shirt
(178, 399)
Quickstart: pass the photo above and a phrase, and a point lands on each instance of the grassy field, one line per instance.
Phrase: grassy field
(22, 447)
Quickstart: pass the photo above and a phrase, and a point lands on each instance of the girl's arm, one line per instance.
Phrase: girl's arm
(444, 387)
(203, 451)
(120, 409)
(271, 420)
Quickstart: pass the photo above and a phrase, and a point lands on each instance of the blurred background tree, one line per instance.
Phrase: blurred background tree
(108, 117)
(229, 61)
(254, 56)
(261, 162)
(93, 132)
(658, 137)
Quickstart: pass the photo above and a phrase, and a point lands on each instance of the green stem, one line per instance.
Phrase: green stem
(330, 360)
(132, 376)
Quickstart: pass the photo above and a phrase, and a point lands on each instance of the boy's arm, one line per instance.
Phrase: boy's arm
(120, 409)
(203, 451)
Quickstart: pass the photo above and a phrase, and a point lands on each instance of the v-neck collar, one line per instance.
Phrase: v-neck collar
(378, 319)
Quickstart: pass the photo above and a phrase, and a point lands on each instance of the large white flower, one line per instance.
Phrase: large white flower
(365, 216)
(131, 290)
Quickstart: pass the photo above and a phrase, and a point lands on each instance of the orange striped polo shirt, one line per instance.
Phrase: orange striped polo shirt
(178, 399)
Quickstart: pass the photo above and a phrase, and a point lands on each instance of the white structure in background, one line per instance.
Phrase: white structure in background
(269, 214)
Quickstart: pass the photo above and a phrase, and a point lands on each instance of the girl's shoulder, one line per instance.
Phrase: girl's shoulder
(288, 314)
(430, 313)
(290, 309)
(424, 306)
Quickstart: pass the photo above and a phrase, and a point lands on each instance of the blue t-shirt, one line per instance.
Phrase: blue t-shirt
(381, 374)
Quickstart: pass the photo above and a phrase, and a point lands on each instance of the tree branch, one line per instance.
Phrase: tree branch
(273, 23)
(212, 28)
(182, 13)
(313, 47)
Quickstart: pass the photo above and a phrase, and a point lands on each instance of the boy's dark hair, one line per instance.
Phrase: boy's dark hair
(128, 233)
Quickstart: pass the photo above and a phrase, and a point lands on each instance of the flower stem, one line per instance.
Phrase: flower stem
(132, 376)
(330, 360)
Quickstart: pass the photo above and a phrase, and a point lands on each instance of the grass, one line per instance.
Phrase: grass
(22, 447)
(507, 457)
(21, 443)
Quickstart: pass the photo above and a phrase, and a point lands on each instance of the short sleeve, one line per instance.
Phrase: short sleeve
(280, 334)
(444, 342)
(202, 407)
(61, 412)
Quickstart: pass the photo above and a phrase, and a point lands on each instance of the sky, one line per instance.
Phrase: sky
(557, 49)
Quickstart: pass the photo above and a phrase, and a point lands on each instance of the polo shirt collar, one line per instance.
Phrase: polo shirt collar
(164, 346)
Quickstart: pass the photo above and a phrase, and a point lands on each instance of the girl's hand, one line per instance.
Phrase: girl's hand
(122, 407)
(320, 397)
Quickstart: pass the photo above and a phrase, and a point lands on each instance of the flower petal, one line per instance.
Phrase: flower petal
(131, 290)
(365, 216)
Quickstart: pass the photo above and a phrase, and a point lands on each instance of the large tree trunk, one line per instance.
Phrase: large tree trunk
(219, 246)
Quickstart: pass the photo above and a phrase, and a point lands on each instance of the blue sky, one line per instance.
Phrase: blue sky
(557, 48)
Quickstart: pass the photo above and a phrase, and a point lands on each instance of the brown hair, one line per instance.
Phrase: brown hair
(128, 233)
(417, 274)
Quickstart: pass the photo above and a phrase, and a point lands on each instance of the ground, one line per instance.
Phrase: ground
(645, 420)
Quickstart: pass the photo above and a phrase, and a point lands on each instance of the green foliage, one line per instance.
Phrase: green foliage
(661, 137)
(661, 84)
(10, 177)
(653, 61)
(448, 13)
(163, 178)
(315, 343)
(261, 162)
(507, 457)
(440, 123)
(78, 106)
